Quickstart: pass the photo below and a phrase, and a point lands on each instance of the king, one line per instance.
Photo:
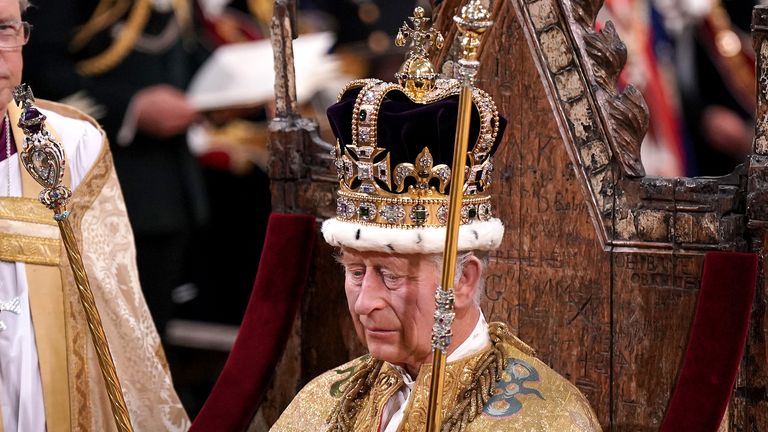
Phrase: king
(395, 142)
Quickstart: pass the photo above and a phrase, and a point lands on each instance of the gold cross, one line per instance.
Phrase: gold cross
(422, 36)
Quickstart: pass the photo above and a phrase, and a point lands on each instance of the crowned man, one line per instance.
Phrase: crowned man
(395, 142)
(50, 378)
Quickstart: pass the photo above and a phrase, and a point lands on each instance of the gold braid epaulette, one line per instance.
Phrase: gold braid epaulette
(123, 42)
(106, 13)
(105, 16)
(471, 400)
(261, 10)
(342, 418)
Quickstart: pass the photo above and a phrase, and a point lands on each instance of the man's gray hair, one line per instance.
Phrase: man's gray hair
(23, 5)
(461, 261)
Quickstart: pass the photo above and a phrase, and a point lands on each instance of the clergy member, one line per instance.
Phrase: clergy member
(49, 374)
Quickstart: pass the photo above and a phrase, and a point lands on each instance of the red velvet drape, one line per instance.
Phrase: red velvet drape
(277, 293)
(716, 343)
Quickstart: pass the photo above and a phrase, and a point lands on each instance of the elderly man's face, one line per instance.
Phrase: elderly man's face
(391, 300)
(10, 59)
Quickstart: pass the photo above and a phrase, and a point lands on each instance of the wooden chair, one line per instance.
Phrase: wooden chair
(601, 265)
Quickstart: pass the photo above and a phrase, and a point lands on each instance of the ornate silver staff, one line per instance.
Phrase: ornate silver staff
(472, 22)
(43, 157)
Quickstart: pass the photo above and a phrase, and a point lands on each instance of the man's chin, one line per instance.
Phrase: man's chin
(384, 352)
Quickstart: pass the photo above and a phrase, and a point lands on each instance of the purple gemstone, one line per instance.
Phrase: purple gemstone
(32, 119)
(31, 113)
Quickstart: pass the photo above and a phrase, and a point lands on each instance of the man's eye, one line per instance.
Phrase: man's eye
(391, 278)
(356, 273)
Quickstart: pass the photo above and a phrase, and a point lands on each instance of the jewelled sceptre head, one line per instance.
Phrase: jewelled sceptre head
(473, 20)
(43, 158)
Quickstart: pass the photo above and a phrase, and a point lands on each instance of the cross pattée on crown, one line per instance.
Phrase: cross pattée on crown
(365, 169)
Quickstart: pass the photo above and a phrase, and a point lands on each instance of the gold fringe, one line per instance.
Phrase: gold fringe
(472, 400)
(342, 418)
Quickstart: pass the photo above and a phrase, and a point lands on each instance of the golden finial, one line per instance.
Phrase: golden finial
(473, 20)
(417, 74)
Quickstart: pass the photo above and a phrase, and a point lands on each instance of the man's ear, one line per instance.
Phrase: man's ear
(469, 282)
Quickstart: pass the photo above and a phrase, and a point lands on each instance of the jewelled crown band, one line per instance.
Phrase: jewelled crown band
(393, 154)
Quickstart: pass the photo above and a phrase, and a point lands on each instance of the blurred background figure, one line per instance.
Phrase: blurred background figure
(127, 63)
(694, 63)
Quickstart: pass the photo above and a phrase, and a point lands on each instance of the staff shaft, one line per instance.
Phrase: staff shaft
(99, 338)
(434, 412)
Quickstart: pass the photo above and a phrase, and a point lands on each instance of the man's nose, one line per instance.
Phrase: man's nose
(371, 293)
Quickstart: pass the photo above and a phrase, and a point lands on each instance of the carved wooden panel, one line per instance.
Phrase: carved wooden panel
(751, 396)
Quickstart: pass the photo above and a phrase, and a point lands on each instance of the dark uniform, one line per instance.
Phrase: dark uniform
(160, 179)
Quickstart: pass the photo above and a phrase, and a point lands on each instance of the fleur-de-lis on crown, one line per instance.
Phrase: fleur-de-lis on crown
(423, 172)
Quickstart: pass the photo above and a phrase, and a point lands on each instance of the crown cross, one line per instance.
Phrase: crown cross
(362, 166)
(423, 172)
(421, 35)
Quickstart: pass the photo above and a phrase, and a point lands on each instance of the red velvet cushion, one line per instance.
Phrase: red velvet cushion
(277, 293)
(716, 343)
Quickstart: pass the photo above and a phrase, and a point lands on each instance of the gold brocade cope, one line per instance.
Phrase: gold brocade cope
(73, 388)
(28, 233)
(527, 396)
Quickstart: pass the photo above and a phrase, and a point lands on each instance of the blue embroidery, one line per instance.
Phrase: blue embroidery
(504, 402)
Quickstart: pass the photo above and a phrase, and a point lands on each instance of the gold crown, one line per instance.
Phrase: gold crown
(413, 194)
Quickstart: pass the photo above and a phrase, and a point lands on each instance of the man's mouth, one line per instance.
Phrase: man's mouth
(378, 330)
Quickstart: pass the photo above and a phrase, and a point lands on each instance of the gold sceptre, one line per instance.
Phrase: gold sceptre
(43, 158)
(472, 22)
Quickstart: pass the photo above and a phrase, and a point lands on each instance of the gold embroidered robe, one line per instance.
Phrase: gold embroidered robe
(73, 387)
(529, 396)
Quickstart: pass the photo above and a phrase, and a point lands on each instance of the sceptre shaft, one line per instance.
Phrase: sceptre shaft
(43, 157)
(473, 21)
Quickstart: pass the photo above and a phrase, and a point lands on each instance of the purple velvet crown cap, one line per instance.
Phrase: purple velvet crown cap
(405, 127)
